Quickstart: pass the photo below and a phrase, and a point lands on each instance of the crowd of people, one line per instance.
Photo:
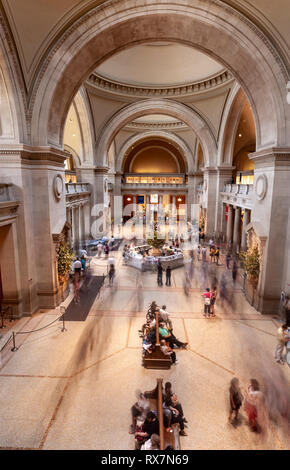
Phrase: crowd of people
(145, 424)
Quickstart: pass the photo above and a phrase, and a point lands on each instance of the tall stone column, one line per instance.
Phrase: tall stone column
(210, 197)
(100, 213)
(230, 223)
(223, 225)
(76, 228)
(237, 227)
(191, 195)
(246, 221)
(224, 175)
(118, 204)
(82, 225)
(270, 222)
(87, 221)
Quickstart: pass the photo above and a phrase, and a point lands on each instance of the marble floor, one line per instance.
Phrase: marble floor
(74, 389)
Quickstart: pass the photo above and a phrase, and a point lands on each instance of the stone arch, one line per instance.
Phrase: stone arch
(167, 107)
(85, 119)
(75, 156)
(229, 125)
(12, 112)
(210, 26)
(185, 150)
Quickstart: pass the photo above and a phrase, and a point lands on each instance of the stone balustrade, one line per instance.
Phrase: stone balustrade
(153, 186)
(77, 193)
(240, 195)
(74, 188)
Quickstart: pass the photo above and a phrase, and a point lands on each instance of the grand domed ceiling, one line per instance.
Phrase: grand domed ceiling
(159, 64)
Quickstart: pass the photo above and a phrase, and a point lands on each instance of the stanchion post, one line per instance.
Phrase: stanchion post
(14, 345)
(2, 320)
(62, 311)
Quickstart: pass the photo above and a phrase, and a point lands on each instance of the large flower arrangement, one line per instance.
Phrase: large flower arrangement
(251, 262)
(65, 257)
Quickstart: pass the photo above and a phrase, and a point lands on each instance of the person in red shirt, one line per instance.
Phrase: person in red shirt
(207, 296)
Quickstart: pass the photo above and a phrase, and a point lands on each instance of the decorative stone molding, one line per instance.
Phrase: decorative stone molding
(58, 186)
(156, 125)
(101, 170)
(255, 50)
(261, 187)
(187, 89)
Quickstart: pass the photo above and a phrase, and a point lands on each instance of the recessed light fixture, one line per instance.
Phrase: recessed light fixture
(74, 135)
(128, 199)
(240, 135)
(179, 199)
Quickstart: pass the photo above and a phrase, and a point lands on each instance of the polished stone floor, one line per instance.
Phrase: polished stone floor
(74, 389)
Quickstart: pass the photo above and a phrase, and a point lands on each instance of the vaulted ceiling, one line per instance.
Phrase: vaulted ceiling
(36, 24)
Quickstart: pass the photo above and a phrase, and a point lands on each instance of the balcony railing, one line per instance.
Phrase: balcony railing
(77, 188)
(157, 186)
(242, 189)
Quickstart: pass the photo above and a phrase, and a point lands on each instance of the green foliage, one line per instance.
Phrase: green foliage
(251, 262)
(65, 257)
(156, 242)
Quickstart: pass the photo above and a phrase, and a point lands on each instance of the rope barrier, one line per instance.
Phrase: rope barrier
(39, 329)
(6, 343)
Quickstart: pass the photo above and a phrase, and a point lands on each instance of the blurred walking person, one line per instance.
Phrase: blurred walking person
(234, 271)
(111, 274)
(168, 276)
(213, 300)
(236, 399)
(206, 296)
(283, 337)
(76, 285)
(159, 273)
(253, 404)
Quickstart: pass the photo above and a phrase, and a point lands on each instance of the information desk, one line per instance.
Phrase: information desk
(149, 263)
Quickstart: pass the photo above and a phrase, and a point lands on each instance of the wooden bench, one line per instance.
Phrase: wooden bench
(170, 438)
(157, 359)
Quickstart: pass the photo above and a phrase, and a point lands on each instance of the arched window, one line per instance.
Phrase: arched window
(70, 170)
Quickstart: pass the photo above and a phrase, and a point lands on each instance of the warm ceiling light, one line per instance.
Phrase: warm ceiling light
(128, 199)
(179, 199)
(74, 135)
(240, 135)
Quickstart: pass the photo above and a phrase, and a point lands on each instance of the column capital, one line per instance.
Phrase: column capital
(195, 173)
(210, 170)
(225, 170)
(101, 170)
(45, 156)
(278, 157)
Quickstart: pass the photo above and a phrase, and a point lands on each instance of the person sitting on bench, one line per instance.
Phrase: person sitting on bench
(164, 317)
(172, 415)
(152, 444)
(139, 411)
(167, 351)
(150, 426)
(171, 339)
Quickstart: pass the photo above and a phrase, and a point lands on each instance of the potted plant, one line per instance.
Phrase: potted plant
(65, 257)
(251, 264)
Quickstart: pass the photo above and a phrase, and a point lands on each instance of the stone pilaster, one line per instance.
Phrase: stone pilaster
(230, 223)
(237, 228)
(270, 218)
(246, 221)
(224, 175)
(210, 197)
